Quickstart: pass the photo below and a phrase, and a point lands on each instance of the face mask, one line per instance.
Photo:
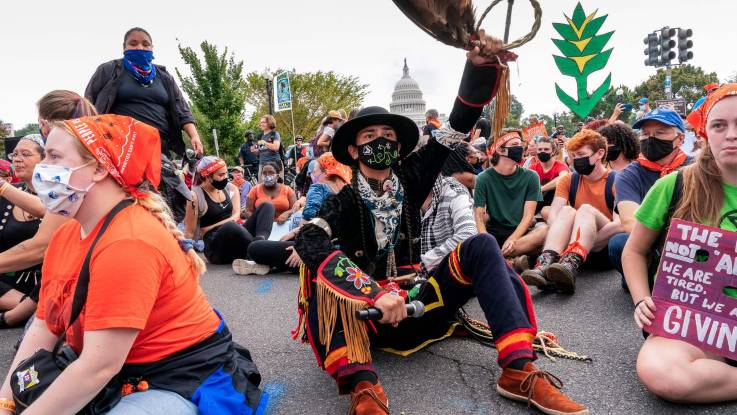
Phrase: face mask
(515, 153)
(583, 165)
(219, 184)
(270, 180)
(544, 157)
(378, 154)
(139, 57)
(315, 177)
(52, 187)
(655, 149)
(612, 153)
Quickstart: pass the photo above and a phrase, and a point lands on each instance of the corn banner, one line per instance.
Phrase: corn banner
(583, 54)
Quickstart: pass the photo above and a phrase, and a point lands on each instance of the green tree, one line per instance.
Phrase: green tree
(3, 132)
(217, 92)
(313, 95)
(688, 82)
(28, 129)
(516, 109)
(621, 94)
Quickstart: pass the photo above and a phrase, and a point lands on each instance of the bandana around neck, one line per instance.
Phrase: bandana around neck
(387, 209)
(138, 63)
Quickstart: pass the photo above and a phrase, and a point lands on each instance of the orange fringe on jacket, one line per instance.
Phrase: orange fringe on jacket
(332, 304)
(503, 101)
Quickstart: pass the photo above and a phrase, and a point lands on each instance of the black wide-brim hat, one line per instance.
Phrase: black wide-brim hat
(408, 134)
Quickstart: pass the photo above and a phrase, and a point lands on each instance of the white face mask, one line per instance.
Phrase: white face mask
(52, 187)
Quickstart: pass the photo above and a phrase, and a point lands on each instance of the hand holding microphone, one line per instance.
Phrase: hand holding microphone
(391, 310)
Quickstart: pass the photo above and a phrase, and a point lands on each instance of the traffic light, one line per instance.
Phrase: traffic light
(653, 50)
(684, 44)
(667, 43)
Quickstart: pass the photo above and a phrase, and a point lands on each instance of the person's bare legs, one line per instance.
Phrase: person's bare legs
(20, 313)
(10, 299)
(559, 232)
(680, 372)
(586, 225)
(605, 233)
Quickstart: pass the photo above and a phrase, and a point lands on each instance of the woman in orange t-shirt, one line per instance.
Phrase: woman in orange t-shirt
(144, 305)
(271, 191)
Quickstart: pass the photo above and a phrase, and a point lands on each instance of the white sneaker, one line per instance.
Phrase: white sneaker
(246, 267)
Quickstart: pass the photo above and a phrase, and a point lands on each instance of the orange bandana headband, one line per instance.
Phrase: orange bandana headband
(209, 165)
(726, 90)
(332, 167)
(128, 149)
(502, 141)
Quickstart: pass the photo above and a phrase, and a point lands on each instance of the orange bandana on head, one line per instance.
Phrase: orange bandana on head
(502, 141)
(332, 167)
(726, 90)
(209, 165)
(128, 149)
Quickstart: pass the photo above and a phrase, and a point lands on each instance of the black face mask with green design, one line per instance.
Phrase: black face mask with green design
(378, 154)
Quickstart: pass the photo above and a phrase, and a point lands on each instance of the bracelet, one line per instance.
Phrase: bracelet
(322, 224)
(3, 188)
(637, 304)
(7, 404)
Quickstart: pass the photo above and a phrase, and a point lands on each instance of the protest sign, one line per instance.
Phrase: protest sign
(282, 92)
(695, 288)
(678, 105)
(534, 130)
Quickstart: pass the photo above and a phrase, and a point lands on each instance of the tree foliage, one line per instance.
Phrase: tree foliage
(31, 128)
(516, 109)
(688, 82)
(217, 93)
(3, 132)
(313, 95)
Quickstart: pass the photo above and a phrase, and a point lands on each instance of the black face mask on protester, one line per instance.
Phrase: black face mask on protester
(544, 157)
(379, 153)
(220, 184)
(654, 149)
(583, 165)
(613, 153)
(515, 153)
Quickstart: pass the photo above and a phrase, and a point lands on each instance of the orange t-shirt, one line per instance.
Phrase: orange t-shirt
(588, 192)
(280, 202)
(139, 279)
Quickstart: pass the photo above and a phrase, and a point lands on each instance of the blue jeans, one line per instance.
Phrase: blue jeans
(154, 402)
(616, 246)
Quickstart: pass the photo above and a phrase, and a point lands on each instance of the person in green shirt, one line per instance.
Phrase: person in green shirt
(673, 369)
(508, 195)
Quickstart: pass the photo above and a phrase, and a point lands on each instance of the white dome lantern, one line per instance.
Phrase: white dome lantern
(407, 98)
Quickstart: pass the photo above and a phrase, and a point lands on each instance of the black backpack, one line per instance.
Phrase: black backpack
(608, 190)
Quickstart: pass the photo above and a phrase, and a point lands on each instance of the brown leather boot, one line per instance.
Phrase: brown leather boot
(369, 399)
(538, 388)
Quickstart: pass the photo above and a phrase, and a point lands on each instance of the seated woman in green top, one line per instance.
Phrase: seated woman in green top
(673, 369)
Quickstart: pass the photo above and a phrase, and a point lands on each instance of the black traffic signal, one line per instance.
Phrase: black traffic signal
(684, 44)
(652, 51)
(667, 43)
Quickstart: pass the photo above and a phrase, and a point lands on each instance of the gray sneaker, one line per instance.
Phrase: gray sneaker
(246, 267)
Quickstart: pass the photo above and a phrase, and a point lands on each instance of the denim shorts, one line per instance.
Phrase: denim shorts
(154, 402)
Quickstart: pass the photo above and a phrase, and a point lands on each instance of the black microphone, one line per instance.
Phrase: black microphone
(414, 309)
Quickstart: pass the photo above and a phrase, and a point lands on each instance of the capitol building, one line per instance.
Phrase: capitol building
(407, 99)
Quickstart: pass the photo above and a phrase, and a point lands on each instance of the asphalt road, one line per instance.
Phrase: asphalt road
(455, 376)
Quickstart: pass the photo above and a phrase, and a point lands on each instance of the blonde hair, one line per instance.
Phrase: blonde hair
(270, 121)
(151, 201)
(703, 194)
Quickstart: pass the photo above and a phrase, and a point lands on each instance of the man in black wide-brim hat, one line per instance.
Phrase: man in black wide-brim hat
(369, 233)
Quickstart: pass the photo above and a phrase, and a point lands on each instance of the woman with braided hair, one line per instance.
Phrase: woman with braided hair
(146, 334)
(366, 238)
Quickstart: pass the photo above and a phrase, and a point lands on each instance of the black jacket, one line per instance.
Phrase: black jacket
(103, 89)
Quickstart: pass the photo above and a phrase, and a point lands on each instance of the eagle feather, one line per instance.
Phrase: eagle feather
(449, 21)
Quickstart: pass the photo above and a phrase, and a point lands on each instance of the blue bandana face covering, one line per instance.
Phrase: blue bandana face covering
(138, 63)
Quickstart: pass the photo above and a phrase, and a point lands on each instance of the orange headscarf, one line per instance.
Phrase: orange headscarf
(502, 141)
(332, 167)
(128, 149)
(724, 91)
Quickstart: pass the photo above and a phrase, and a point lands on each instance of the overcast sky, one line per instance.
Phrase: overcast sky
(58, 44)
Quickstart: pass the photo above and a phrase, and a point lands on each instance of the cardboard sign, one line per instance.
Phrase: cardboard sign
(695, 288)
(678, 105)
(533, 131)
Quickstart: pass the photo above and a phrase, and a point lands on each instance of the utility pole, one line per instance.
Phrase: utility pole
(270, 94)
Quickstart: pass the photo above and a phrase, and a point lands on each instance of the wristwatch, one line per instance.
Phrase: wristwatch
(322, 224)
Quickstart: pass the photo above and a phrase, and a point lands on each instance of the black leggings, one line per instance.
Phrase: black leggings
(230, 240)
(273, 254)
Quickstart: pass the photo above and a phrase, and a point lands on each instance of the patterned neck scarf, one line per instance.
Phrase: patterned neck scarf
(386, 209)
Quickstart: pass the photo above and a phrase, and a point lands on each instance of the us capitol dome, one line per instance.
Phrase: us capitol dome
(407, 98)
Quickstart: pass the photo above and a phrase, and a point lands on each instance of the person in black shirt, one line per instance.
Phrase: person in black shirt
(248, 154)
